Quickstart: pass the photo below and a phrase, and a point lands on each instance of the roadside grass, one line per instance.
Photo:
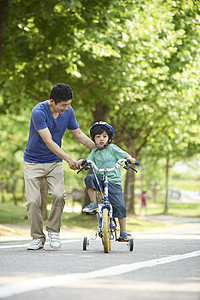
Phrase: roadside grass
(175, 209)
(16, 215)
(185, 184)
(89, 222)
(11, 214)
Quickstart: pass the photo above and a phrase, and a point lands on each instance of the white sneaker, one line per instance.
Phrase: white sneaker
(36, 244)
(54, 240)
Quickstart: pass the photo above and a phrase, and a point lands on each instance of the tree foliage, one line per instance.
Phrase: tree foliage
(133, 63)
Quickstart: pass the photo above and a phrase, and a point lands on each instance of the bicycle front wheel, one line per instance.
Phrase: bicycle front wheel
(106, 232)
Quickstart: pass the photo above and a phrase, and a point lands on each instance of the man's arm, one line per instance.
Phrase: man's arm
(47, 138)
(82, 138)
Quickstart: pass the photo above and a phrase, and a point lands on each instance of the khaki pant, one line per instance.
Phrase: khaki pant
(33, 175)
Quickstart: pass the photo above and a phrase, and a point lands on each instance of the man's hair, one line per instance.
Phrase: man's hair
(61, 92)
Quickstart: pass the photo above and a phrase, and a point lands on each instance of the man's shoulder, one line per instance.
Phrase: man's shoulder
(40, 106)
(40, 109)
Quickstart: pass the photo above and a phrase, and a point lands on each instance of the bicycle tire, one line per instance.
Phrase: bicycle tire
(106, 233)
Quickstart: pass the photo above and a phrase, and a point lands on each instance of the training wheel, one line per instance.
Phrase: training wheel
(131, 245)
(85, 243)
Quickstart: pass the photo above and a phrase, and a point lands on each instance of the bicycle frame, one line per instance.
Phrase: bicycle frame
(106, 206)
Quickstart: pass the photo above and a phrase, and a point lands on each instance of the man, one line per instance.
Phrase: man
(43, 159)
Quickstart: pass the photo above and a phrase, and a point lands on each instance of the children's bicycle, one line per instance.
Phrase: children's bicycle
(107, 226)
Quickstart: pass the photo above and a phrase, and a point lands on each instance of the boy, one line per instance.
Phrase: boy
(102, 134)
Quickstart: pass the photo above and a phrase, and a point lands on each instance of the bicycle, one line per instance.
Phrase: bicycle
(107, 226)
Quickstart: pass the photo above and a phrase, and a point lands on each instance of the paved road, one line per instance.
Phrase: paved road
(162, 266)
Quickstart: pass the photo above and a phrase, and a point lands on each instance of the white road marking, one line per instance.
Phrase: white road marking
(25, 245)
(52, 281)
(189, 235)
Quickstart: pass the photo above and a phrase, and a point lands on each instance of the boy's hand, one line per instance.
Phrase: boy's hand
(78, 163)
(132, 160)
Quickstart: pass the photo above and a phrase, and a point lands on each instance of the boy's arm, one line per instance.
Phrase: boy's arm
(132, 160)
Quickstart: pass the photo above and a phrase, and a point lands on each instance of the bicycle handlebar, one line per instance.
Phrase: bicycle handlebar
(87, 164)
(107, 169)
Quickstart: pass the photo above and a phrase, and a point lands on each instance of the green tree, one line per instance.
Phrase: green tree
(133, 63)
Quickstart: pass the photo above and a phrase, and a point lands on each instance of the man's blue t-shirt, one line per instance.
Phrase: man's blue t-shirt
(41, 117)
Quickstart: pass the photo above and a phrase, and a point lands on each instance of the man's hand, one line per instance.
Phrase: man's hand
(72, 163)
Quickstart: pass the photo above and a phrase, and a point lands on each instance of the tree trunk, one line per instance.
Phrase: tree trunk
(2, 186)
(101, 112)
(167, 187)
(44, 193)
(13, 190)
(129, 188)
(129, 193)
(155, 194)
(4, 6)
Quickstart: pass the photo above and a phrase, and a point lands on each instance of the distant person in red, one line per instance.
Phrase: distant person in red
(143, 203)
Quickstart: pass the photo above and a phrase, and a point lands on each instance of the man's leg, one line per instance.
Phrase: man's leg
(55, 180)
(33, 176)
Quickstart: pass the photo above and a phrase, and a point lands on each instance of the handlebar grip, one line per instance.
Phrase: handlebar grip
(137, 163)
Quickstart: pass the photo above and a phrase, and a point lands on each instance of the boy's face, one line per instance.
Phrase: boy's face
(101, 139)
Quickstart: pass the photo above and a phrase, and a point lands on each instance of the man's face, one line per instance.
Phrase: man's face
(62, 106)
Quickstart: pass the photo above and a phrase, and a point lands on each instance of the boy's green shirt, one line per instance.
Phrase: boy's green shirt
(106, 158)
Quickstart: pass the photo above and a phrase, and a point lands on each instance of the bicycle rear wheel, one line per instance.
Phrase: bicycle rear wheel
(106, 232)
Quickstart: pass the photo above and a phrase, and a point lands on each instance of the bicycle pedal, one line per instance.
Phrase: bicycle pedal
(120, 240)
(91, 213)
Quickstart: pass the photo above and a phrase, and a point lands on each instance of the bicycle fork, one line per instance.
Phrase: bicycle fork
(107, 206)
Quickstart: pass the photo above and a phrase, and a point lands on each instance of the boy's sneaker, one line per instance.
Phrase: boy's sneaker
(125, 235)
(36, 244)
(54, 240)
(90, 208)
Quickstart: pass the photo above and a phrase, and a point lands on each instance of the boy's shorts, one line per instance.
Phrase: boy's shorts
(115, 195)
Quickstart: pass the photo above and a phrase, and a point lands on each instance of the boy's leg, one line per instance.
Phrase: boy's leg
(92, 207)
(92, 195)
(122, 224)
(55, 180)
(33, 174)
(119, 209)
(91, 186)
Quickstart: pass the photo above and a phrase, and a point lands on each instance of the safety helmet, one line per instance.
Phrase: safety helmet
(108, 128)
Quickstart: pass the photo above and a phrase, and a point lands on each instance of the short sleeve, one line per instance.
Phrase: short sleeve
(38, 119)
(73, 124)
(119, 153)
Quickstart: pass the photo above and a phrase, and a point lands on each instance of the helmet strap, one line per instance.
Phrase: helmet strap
(102, 147)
